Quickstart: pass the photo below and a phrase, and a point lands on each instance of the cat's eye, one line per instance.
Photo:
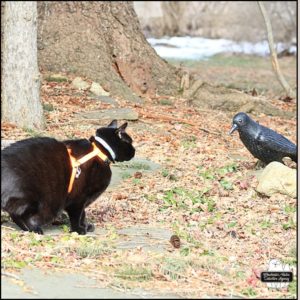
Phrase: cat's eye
(126, 138)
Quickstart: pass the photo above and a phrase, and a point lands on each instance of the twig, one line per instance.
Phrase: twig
(179, 120)
(7, 227)
(10, 275)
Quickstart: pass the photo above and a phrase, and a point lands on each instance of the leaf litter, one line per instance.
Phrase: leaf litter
(200, 193)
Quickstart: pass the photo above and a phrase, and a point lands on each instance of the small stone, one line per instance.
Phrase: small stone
(233, 234)
(232, 258)
(80, 84)
(97, 89)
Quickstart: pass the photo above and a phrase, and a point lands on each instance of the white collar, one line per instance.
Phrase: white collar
(106, 146)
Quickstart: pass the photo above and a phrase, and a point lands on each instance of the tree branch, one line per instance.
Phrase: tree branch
(274, 60)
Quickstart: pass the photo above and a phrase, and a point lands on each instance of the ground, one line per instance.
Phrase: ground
(203, 191)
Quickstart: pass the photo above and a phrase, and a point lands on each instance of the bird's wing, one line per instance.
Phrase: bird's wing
(272, 140)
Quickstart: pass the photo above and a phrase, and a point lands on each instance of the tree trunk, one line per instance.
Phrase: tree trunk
(273, 53)
(102, 40)
(20, 76)
(173, 11)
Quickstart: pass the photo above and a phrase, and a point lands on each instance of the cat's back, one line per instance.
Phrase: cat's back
(31, 144)
(37, 162)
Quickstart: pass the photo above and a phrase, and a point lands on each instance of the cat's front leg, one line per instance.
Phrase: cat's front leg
(89, 226)
(75, 213)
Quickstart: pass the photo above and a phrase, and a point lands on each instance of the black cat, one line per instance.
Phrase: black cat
(36, 173)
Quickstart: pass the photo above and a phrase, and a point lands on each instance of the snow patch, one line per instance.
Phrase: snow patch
(202, 48)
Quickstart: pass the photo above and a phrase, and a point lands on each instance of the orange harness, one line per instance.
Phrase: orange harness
(76, 163)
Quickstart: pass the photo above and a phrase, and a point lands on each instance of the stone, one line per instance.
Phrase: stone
(80, 84)
(105, 99)
(111, 114)
(277, 178)
(98, 90)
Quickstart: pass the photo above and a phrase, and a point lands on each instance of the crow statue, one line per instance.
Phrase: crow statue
(262, 142)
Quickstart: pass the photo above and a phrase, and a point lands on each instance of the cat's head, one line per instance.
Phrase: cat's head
(116, 141)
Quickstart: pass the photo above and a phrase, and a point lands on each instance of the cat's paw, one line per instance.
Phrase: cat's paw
(90, 227)
(80, 230)
(38, 230)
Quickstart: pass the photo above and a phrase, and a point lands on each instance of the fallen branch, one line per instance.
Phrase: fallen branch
(10, 275)
(179, 120)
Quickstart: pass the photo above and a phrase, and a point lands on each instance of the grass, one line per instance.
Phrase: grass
(134, 165)
(288, 209)
(134, 273)
(231, 224)
(52, 78)
(91, 250)
(166, 173)
(126, 175)
(189, 142)
(181, 198)
(13, 263)
(289, 225)
(174, 267)
(214, 173)
(226, 184)
(265, 224)
(165, 102)
(219, 60)
(292, 288)
(242, 72)
(249, 292)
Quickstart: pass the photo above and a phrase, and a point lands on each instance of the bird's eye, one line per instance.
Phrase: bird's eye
(240, 121)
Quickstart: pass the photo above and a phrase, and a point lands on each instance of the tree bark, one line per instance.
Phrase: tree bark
(102, 40)
(20, 76)
(274, 60)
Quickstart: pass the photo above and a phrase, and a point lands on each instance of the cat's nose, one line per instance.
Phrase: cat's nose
(133, 152)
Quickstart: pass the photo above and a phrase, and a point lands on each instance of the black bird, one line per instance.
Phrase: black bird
(263, 143)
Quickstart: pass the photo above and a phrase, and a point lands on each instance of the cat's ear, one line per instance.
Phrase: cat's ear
(122, 127)
(113, 124)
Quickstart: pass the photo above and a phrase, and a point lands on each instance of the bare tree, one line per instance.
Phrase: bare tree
(20, 76)
(274, 60)
(173, 11)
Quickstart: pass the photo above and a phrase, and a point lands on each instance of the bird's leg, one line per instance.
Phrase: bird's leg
(259, 165)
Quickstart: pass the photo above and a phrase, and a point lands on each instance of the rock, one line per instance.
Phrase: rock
(111, 114)
(80, 84)
(106, 99)
(207, 96)
(97, 89)
(278, 178)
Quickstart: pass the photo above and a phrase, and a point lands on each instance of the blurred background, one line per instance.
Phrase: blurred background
(223, 26)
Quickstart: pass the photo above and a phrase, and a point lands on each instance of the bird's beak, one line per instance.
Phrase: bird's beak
(233, 128)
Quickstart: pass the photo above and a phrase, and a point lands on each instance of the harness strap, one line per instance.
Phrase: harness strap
(76, 163)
